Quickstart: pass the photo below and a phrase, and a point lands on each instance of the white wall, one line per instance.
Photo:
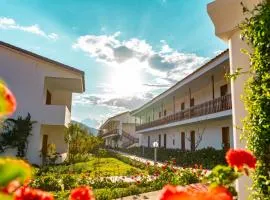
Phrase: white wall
(212, 135)
(25, 77)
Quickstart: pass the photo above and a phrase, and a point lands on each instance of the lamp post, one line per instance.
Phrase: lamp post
(155, 145)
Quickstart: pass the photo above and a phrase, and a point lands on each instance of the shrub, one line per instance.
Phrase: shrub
(208, 157)
(69, 181)
(48, 183)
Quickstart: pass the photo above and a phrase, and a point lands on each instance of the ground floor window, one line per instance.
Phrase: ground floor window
(192, 140)
(159, 140)
(225, 138)
(148, 141)
(183, 144)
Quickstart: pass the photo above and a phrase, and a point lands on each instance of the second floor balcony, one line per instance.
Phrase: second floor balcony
(110, 133)
(210, 107)
(56, 115)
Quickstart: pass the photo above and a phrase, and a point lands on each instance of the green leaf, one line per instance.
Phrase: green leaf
(13, 169)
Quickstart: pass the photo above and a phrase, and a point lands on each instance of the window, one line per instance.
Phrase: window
(192, 140)
(183, 106)
(183, 144)
(165, 141)
(173, 141)
(223, 90)
(225, 138)
(149, 119)
(48, 98)
(159, 140)
(159, 114)
(165, 112)
(148, 141)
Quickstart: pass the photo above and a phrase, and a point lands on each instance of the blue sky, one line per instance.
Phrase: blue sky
(130, 50)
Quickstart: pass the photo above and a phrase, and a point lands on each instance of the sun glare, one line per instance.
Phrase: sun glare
(126, 78)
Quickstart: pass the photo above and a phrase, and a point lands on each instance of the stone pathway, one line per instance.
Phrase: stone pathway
(140, 159)
(150, 195)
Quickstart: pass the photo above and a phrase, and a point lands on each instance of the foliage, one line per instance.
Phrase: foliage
(15, 134)
(52, 155)
(48, 183)
(256, 32)
(80, 142)
(208, 157)
(89, 168)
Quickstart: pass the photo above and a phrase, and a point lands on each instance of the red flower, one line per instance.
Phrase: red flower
(194, 192)
(27, 193)
(7, 101)
(239, 158)
(82, 193)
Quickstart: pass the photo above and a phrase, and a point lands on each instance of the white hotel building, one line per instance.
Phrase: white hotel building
(43, 88)
(119, 131)
(195, 113)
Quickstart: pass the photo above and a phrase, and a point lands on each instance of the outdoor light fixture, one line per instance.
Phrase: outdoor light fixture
(155, 145)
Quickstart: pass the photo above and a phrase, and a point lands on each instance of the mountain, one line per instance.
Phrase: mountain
(91, 130)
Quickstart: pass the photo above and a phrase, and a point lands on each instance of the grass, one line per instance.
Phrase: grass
(101, 167)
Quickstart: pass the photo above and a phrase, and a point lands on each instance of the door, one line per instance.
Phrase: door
(44, 145)
(183, 144)
(165, 140)
(223, 93)
(225, 138)
(223, 90)
(192, 140)
(192, 102)
(148, 141)
(48, 98)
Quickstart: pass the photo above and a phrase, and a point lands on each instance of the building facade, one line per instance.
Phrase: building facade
(43, 88)
(193, 114)
(119, 131)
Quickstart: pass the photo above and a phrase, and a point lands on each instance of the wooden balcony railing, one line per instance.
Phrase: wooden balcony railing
(216, 105)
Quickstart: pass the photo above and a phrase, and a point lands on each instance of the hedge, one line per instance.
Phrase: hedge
(208, 157)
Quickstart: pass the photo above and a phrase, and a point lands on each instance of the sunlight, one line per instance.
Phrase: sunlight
(126, 78)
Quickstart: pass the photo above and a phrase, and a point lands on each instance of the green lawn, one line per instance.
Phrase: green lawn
(101, 167)
(105, 167)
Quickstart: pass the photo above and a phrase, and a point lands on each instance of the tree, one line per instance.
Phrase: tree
(15, 133)
(80, 142)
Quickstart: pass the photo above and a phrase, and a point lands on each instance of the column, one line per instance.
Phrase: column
(226, 15)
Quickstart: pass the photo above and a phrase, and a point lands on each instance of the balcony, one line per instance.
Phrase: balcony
(55, 115)
(214, 106)
(110, 133)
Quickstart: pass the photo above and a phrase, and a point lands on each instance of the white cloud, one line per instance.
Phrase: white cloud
(161, 63)
(161, 68)
(11, 24)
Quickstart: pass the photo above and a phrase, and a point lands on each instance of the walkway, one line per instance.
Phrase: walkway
(140, 159)
(150, 195)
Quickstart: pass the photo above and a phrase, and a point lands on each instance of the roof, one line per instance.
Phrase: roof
(67, 67)
(181, 81)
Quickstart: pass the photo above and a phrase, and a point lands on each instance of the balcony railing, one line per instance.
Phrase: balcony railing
(111, 132)
(216, 105)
